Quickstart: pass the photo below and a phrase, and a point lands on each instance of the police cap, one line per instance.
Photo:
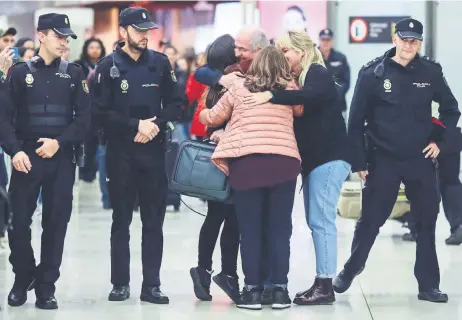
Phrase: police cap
(409, 29)
(59, 23)
(326, 34)
(7, 32)
(138, 18)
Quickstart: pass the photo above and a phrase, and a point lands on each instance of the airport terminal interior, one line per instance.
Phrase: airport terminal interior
(386, 290)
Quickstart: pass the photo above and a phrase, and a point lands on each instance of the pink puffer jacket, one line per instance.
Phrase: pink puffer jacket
(262, 129)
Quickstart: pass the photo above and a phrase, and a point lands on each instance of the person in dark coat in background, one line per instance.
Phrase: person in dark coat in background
(182, 126)
(92, 51)
(337, 64)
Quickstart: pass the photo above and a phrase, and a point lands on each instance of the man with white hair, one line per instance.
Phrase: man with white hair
(248, 42)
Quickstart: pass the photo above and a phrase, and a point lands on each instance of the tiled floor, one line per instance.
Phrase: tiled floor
(385, 290)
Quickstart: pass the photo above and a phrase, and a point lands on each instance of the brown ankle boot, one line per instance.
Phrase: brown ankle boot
(320, 294)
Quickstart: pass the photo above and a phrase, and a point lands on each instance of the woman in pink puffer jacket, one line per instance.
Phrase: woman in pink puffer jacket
(259, 152)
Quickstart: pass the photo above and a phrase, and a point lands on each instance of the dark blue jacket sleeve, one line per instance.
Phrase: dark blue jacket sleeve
(318, 84)
(172, 96)
(357, 123)
(207, 76)
(78, 129)
(448, 107)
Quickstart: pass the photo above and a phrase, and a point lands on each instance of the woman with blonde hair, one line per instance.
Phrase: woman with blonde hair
(259, 152)
(322, 141)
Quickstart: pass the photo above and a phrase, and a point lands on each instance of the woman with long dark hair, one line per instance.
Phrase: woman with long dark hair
(92, 51)
(220, 55)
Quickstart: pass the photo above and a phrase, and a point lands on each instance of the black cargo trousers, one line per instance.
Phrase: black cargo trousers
(136, 169)
(419, 176)
(56, 177)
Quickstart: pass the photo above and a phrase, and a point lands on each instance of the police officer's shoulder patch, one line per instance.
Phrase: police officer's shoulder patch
(371, 63)
(433, 64)
(76, 65)
(19, 69)
(100, 60)
(18, 63)
(160, 53)
(430, 60)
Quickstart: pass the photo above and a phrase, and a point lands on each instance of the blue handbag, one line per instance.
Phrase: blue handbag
(195, 175)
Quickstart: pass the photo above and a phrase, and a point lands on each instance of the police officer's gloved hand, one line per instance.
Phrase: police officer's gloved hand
(207, 75)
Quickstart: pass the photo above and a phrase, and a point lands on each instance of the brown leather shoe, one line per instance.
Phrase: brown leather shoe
(321, 293)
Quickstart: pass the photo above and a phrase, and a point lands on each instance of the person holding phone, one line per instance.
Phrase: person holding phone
(7, 40)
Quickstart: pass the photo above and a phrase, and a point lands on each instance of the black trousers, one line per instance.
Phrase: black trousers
(56, 178)
(136, 169)
(229, 242)
(379, 196)
(451, 192)
(250, 206)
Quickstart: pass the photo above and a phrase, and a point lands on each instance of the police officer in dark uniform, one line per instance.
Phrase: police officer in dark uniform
(49, 115)
(136, 94)
(393, 95)
(336, 63)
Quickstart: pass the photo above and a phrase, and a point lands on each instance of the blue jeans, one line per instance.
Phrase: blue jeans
(321, 193)
(101, 161)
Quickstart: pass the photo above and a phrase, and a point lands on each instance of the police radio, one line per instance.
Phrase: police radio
(114, 72)
(79, 155)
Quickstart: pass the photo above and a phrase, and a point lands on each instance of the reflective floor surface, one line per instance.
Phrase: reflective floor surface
(385, 290)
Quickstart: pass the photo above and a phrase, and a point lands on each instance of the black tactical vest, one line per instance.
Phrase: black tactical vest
(48, 108)
(137, 92)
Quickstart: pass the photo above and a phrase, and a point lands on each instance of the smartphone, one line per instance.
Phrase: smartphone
(15, 53)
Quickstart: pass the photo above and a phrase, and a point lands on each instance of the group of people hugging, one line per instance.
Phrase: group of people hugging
(274, 113)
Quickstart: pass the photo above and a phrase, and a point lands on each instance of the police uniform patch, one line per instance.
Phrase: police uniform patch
(29, 78)
(85, 86)
(124, 85)
(370, 63)
(172, 73)
(431, 60)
